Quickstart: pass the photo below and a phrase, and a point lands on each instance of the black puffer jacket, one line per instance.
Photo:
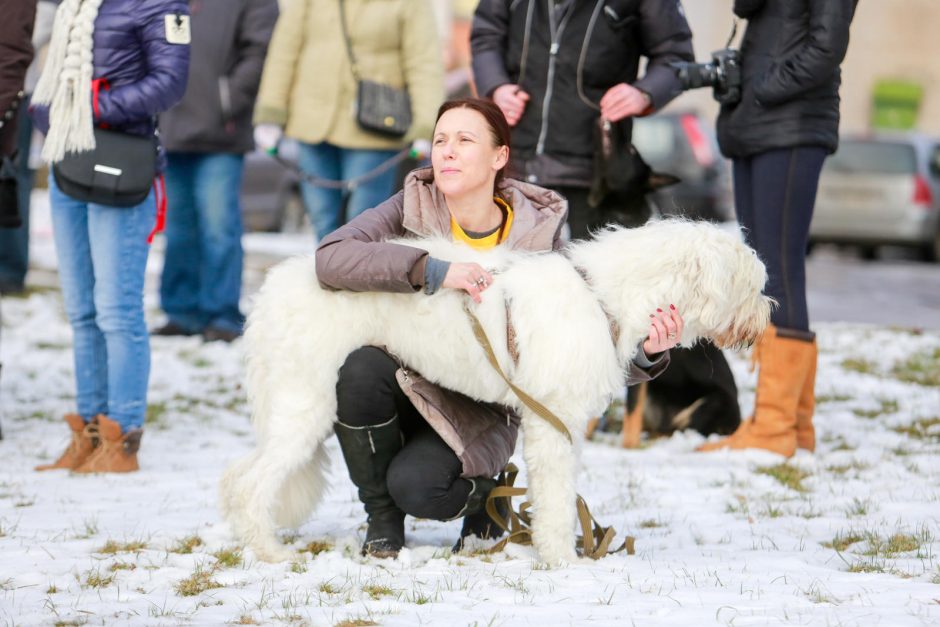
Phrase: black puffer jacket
(791, 54)
(512, 42)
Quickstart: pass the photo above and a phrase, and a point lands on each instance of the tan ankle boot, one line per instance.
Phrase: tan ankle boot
(805, 432)
(84, 441)
(116, 452)
(785, 359)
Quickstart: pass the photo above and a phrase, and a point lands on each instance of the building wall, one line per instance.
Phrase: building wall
(889, 39)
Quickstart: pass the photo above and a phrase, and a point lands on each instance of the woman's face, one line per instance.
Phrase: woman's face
(463, 155)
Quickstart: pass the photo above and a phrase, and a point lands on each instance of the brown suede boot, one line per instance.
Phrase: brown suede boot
(116, 452)
(805, 432)
(785, 359)
(84, 441)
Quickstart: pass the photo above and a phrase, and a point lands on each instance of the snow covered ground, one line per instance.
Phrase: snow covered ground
(848, 536)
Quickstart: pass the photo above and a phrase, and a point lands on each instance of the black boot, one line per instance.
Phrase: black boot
(476, 520)
(368, 451)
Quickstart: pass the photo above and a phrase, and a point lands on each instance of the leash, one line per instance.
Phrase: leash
(595, 539)
(347, 185)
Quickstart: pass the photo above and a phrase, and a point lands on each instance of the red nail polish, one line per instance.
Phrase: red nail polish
(673, 307)
(659, 310)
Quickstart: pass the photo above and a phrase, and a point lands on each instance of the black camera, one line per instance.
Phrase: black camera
(722, 74)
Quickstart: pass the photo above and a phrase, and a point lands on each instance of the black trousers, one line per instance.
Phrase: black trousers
(774, 196)
(424, 478)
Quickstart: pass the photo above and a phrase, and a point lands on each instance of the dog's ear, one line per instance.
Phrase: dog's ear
(658, 180)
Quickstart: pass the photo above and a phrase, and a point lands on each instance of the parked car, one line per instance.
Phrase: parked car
(881, 189)
(683, 145)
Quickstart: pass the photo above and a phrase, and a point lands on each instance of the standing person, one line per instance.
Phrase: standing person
(778, 136)
(14, 243)
(308, 92)
(555, 67)
(206, 135)
(132, 58)
(412, 447)
(16, 51)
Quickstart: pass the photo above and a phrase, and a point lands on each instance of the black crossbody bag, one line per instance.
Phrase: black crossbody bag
(119, 172)
(380, 108)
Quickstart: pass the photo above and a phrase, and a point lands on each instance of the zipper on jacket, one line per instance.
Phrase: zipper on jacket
(556, 31)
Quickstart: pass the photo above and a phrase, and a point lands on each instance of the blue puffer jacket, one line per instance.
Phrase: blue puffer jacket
(146, 74)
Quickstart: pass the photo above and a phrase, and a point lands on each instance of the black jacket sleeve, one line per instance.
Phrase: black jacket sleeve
(254, 33)
(814, 62)
(746, 8)
(489, 38)
(665, 39)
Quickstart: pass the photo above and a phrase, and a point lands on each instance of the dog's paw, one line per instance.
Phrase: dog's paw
(272, 552)
(558, 558)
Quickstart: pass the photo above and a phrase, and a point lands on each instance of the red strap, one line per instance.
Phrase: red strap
(159, 191)
(96, 85)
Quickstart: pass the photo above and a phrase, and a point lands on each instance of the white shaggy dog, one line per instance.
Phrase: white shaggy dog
(299, 335)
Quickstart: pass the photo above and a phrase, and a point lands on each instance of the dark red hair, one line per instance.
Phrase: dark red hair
(495, 121)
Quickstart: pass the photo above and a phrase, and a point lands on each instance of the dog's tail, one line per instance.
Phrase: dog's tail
(302, 491)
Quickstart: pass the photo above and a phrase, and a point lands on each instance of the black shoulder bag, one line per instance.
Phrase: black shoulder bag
(119, 172)
(380, 108)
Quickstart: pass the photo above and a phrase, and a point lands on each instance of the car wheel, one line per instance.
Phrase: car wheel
(868, 253)
(294, 215)
(931, 249)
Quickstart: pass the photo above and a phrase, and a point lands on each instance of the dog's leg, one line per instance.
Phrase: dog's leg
(551, 466)
(633, 420)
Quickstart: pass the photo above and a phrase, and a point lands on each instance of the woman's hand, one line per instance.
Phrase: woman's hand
(469, 277)
(665, 331)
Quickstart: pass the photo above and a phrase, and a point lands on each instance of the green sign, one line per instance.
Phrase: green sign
(895, 104)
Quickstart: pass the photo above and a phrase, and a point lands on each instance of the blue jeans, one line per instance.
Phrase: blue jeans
(202, 269)
(102, 257)
(14, 243)
(774, 196)
(325, 206)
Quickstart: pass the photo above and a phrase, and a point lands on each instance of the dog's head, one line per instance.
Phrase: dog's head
(724, 298)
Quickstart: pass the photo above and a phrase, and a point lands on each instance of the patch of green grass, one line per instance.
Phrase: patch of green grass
(921, 368)
(298, 567)
(866, 567)
(832, 398)
(45, 346)
(651, 523)
(186, 545)
(316, 547)
(155, 415)
(51, 589)
(246, 619)
(111, 547)
(228, 558)
(886, 406)
(122, 566)
(859, 507)
(356, 622)
(789, 476)
(895, 544)
(773, 511)
(376, 591)
(841, 469)
(76, 622)
(197, 583)
(843, 446)
(94, 579)
(921, 429)
(843, 540)
(859, 365)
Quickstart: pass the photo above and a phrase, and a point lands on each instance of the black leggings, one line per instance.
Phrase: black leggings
(774, 195)
(424, 478)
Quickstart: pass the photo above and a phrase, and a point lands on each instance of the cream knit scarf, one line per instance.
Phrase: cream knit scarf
(65, 84)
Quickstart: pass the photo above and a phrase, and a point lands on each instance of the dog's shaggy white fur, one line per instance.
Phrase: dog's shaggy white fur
(299, 335)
